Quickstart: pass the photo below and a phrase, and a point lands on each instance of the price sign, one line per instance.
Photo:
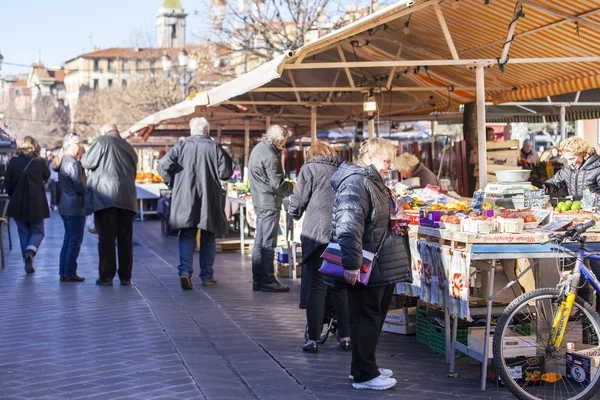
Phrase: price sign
(589, 201)
(535, 198)
(478, 199)
(558, 224)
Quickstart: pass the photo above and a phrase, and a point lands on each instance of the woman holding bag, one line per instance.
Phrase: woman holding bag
(361, 221)
(24, 183)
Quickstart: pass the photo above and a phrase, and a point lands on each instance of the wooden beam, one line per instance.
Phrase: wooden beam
(530, 32)
(388, 85)
(293, 81)
(481, 135)
(562, 14)
(343, 59)
(361, 89)
(577, 97)
(218, 134)
(511, 32)
(313, 124)
(432, 63)
(293, 103)
(337, 75)
(445, 30)
(267, 123)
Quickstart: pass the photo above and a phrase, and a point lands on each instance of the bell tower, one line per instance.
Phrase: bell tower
(170, 25)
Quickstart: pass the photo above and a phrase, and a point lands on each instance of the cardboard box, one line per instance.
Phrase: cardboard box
(522, 369)
(582, 365)
(514, 346)
(402, 321)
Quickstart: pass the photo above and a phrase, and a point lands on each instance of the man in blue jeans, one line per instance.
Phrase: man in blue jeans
(193, 169)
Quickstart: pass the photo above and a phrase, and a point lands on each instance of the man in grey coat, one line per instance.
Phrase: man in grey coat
(193, 169)
(268, 188)
(111, 196)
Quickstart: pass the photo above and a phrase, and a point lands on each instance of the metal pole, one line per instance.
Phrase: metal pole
(481, 137)
(563, 123)
(246, 148)
(313, 124)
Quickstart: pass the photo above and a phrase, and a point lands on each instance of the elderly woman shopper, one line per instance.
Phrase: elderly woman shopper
(361, 221)
(24, 183)
(409, 166)
(71, 179)
(581, 171)
(313, 197)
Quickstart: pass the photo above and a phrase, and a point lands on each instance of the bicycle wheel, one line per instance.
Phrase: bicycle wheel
(525, 362)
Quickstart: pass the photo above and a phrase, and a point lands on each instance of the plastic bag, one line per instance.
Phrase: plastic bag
(90, 225)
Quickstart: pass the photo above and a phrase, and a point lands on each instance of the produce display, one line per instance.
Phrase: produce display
(148, 177)
(568, 205)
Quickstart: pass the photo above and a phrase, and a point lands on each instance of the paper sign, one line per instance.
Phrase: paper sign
(558, 224)
(535, 198)
(477, 203)
(589, 201)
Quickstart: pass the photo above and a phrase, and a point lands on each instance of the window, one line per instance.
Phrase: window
(124, 66)
(96, 65)
(110, 65)
(173, 32)
(124, 83)
(95, 84)
(110, 82)
(138, 65)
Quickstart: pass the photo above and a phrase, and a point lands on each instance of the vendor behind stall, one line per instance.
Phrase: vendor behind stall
(581, 171)
(409, 166)
(529, 156)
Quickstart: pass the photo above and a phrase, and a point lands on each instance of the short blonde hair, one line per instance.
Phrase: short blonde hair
(374, 147)
(406, 162)
(577, 145)
(28, 146)
(320, 149)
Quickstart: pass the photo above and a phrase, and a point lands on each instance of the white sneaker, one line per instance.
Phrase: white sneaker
(379, 383)
(387, 373)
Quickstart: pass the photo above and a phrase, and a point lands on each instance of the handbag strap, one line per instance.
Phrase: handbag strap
(387, 230)
(28, 164)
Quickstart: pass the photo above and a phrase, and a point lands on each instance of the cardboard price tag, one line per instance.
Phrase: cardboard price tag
(535, 198)
(478, 199)
(590, 200)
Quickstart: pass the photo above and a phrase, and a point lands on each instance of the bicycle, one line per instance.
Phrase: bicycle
(546, 341)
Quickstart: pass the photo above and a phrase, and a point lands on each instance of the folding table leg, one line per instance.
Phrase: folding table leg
(488, 323)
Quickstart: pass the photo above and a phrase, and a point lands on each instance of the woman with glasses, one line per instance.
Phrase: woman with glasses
(71, 178)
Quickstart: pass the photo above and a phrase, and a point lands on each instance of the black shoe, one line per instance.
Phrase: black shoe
(74, 278)
(256, 286)
(29, 254)
(103, 283)
(345, 345)
(125, 282)
(62, 278)
(310, 347)
(186, 282)
(274, 287)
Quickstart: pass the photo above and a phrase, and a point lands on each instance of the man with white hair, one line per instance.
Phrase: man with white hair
(268, 188)
(111, 196)
(194, 169)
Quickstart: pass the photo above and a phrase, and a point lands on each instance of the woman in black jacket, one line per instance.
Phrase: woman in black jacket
(24, 183)
(361, 219)
(71, 178)
(313, 197)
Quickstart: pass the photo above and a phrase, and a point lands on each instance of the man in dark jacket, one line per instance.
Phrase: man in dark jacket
(193, 169)
(111, 196)
(268, 188)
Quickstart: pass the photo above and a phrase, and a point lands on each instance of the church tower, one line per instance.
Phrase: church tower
(170, 25)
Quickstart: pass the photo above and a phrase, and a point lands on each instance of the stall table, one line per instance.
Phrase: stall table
(494, 247)
(148, 191)
(243, 205)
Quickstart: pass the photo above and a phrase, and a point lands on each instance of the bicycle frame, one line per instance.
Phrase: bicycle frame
(560, 320)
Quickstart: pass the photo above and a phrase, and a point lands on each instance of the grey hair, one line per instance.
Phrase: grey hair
(199, 126)
(108, 128)
(277, 134)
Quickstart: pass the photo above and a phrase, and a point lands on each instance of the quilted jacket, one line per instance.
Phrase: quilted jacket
(577, 180)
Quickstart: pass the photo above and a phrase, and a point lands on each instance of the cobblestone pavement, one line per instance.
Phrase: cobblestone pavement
(152, 340)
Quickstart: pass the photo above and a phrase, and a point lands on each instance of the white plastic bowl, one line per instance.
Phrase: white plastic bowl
(530, 225)
(513, 175)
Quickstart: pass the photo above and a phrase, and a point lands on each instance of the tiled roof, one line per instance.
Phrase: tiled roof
(135, 53)
(21, 82)
(58, 75)
(41, 71)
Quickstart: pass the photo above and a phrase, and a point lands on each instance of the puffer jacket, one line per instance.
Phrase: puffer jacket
(267, 180)
(577, 180)
(361, 219)
(314, 197)
(72, 179)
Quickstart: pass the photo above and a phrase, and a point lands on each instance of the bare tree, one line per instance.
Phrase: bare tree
(144, 37)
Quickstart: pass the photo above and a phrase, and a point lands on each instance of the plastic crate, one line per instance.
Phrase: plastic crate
(437, 338)
(422, 326)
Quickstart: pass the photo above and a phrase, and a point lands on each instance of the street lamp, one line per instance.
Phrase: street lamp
(184, 73)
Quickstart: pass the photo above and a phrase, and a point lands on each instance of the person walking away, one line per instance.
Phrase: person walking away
(28, 206)
(111, 197)
(409, 166)
(53, 183)
(71, 179)
(193, 169)
(361, 221)
(313, 197)
(268, 188)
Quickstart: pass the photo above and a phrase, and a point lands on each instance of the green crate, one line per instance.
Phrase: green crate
(422, 326)
(437, 338)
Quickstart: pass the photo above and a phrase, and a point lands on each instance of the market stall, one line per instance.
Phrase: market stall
(149, 187)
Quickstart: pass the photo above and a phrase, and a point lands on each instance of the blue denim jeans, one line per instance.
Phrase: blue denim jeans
(208, 249)
(265, 241)
(74, 228)
(30, 235)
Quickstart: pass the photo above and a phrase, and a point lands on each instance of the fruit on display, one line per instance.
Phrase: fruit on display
(568, 205)
(450, 219)
(148, 177)
(529, 218)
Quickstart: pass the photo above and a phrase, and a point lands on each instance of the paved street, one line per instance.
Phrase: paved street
(152, 340)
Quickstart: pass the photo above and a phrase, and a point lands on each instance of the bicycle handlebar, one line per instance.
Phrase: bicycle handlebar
(571, 233)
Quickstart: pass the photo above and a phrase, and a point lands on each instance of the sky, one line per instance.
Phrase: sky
(64, 29)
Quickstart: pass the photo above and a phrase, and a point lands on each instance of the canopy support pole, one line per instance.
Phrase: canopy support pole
(563, 123)
(481, 136)
(246, 147)
(371, 126)
(511, 32)
(313, 124)
(267, 123)
(219, 134)
(446, 31)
